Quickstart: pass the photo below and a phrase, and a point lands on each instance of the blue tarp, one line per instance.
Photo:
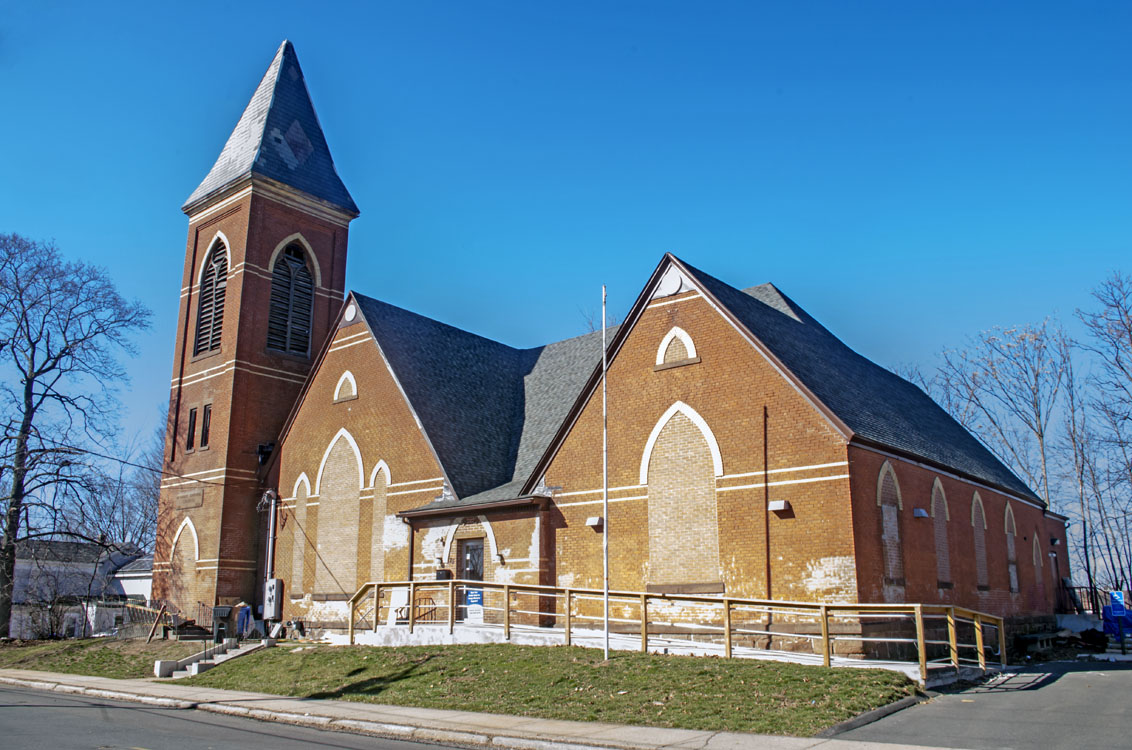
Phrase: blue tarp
(1111, 623)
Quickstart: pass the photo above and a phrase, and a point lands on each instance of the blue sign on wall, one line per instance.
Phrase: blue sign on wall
(473, 597)
(1117, 600)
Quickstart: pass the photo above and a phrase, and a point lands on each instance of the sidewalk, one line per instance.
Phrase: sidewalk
(418, 724)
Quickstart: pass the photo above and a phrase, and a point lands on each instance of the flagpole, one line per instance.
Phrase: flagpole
(604, 479)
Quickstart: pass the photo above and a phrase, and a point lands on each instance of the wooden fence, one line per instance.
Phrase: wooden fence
(923, 633)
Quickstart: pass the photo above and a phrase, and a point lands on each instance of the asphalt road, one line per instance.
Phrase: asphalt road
(1060, 705)
(31, 719)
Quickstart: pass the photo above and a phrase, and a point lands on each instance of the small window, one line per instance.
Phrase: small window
(676, 348)
(205, 425)
(190, 440)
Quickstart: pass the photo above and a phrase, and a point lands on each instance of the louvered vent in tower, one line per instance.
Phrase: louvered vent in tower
(292, 303)
(210, 310)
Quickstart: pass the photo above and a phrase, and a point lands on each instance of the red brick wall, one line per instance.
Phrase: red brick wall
(251, 391)
(919, 540)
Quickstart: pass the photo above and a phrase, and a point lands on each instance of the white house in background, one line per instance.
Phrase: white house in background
(56, 582)
(134, 580)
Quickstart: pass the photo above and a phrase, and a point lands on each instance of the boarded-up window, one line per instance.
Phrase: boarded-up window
(1011, 551)
(300, 545)
(292, 303)
(683, 525)
(210, 308)
(183, 573)
(377, 557)
(979, 528)
(942, 548)
(1039, 564)
(888, 497)
(676, 351)
(338, 504)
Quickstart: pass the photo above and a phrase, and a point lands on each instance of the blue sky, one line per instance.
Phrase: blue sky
(910, 173)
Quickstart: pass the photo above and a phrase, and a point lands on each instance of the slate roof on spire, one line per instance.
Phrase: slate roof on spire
(279, 137)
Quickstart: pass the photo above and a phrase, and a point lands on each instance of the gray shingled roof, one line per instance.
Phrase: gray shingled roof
(878, 405)
(58, 551)
(142, 565)
(489, 410)
(279, 137)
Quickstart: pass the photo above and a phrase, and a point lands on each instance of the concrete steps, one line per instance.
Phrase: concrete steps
(212, 656)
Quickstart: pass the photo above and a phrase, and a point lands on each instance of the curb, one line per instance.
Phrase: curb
(315, 721)
(876, 714)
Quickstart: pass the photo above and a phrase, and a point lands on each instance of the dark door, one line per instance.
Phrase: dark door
(469, 567)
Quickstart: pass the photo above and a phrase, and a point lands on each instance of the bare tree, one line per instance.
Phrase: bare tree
(1004, 387)
(63, 325)
(1110, 343)
(121, 503)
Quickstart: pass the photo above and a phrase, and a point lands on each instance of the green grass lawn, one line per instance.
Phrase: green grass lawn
(103, 657)
(572, 683)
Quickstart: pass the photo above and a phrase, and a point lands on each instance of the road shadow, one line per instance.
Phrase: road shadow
(1038, 676)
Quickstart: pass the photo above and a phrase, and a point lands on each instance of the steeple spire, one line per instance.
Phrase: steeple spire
(278, 137)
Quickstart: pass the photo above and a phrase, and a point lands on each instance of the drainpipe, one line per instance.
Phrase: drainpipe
(409, 523)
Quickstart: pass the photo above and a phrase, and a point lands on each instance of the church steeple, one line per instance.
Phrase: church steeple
(262, 282)
(278, 138)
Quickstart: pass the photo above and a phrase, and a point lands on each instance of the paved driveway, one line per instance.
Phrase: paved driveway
(1060, 705)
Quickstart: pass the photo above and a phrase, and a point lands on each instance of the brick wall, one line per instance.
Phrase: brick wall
(974, 554)
(731, 387)
(250, 390)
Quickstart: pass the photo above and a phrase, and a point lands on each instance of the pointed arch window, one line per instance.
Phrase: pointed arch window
(210, 310)
(292, 303)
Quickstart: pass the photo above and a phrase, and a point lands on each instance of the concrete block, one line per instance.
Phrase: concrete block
(200, 666)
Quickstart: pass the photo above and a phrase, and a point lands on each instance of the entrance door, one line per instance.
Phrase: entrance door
(469, 567)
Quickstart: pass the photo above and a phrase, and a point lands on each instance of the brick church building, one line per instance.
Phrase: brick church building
(751, 452)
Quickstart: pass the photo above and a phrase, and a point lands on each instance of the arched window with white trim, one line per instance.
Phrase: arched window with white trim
(210, 304)
(676, 347)
(347, 387)
(679, 466)
(292, 303)
(940, 517)
(1038, 556)
(979, 529)
(1011, 551)
(890, 503)
(302, 556)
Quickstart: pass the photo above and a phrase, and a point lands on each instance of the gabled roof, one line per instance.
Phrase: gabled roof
(495, 414)
(279, 137)
(868, 404)
(879, 406)
(489, 410)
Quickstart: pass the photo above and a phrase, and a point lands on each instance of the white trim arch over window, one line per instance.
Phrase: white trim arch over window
(212, 245)
(299, 239)
(676, 333)
(347, 377)
(487, 530)
(186, 524)
(698, 421)
(302, 480)
(342, 434)
(384, 469)
(886, 469)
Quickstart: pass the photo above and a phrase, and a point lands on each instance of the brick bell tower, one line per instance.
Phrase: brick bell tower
(264, 274)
